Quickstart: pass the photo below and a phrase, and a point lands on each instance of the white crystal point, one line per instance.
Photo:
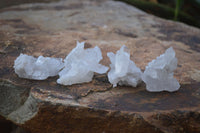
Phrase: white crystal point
(37, 68)
(158, 75)
(81, 64)
(123, 71)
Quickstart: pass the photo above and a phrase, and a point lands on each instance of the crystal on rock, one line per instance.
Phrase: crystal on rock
(37, 68)
(158, 75)
(123, 70)
(81, 64)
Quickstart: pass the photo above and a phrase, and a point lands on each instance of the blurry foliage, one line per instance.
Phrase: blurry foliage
(177, 10)
(187, 11)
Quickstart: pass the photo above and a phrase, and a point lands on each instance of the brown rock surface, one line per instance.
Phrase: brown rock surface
(52, 30)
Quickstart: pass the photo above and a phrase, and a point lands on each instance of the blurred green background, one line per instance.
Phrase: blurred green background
(186, 11)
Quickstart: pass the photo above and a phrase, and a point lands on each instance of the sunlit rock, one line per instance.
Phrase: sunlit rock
(81, 64)
(158, 75)
(123, 70)
(37, 68)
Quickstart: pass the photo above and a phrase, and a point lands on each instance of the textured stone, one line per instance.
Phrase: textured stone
(52, 29)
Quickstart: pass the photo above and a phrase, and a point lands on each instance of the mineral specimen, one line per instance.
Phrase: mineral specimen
(123, 70)
(81, 64)
(158, 75)
(37, 68)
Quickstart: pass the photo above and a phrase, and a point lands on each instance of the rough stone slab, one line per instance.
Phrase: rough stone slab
(52, 30)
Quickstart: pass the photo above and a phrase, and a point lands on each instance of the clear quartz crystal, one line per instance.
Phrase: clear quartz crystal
(158, 75)
(37, 68)
(123, 70)
(81, 64)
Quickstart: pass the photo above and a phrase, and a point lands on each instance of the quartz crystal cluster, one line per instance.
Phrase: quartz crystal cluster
(37, 68)
(158, 75)
(81, 64)
(123, 70)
